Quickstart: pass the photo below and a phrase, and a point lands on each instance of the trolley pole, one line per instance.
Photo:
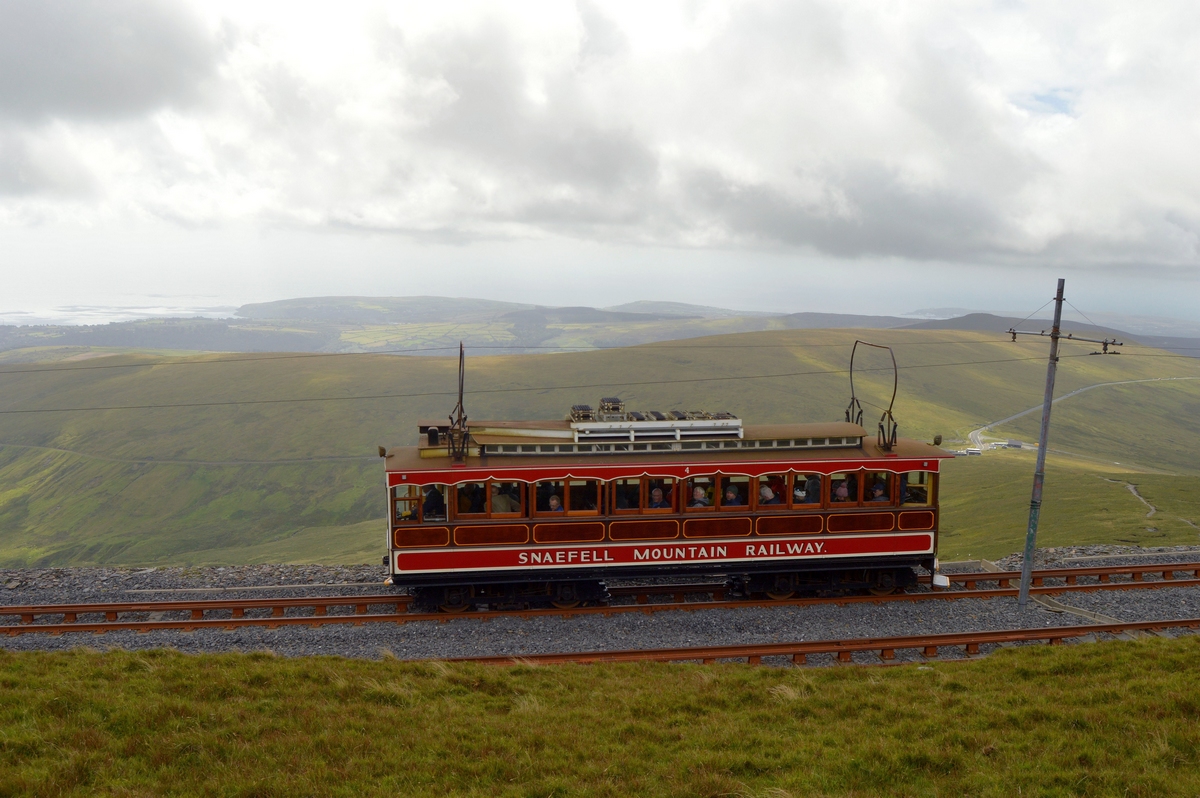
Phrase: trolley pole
(1039, 474)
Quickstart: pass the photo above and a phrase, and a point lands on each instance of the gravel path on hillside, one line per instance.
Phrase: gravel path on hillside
(472, 636)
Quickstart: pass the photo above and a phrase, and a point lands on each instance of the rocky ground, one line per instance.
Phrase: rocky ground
(459, 636)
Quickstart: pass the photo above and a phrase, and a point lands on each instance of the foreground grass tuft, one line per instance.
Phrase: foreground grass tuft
(1119, 718)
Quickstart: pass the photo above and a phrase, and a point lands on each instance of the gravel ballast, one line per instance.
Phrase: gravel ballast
(465, 636)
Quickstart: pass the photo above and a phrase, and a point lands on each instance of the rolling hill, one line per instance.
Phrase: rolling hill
(172, 472)
(431, 325)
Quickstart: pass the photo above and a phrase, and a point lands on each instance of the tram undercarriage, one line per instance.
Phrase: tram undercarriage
(570, 593)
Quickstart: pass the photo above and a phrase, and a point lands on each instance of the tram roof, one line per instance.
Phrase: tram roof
(423, 458)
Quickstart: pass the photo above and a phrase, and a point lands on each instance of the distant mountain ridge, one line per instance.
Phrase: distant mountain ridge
(434, 325)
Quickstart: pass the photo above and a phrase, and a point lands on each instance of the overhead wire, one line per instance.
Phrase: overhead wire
(525, 389)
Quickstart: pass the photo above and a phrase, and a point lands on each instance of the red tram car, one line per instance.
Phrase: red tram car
(528, 513)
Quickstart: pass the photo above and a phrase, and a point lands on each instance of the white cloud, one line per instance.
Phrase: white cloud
(925, 132)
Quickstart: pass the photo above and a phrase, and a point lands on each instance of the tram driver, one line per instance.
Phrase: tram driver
(434, 507)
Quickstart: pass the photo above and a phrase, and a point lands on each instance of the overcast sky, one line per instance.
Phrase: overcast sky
(842, 156)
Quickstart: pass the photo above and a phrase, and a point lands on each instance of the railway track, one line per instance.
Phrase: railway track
(191, 615)
(885, 648)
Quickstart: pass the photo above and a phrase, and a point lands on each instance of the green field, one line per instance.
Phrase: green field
(1114, 719)
(985, 505)
(263, 482)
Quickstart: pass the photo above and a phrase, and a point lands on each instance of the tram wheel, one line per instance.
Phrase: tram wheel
(457, 599)
(563, 604)
(885, 584)
(780, 595)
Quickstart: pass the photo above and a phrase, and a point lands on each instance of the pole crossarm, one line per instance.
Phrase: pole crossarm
(1105, 342)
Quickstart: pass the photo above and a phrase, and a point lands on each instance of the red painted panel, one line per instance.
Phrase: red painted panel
(861, 522)
(716, 527)
(790, 525)
(606, 467)
(491, 534)
(643, 530)
(568, 533)
(789, 551)
(918, 520)
(421, 536)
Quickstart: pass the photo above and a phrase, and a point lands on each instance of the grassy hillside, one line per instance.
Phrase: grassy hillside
(985, 505)
(232, 483)
(1102, 719)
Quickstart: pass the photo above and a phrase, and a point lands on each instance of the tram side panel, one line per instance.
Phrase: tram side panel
(440, 551)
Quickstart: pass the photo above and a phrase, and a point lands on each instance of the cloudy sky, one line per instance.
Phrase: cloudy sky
(804, 155)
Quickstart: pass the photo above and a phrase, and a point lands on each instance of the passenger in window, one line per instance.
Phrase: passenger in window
(732, 497)
(434, 508)
(878, 493)
(658, 501)
(767, 496)
(699, 497)
(841, 493)
(502, 502)
(478, 499)
(812, 490)
(555, 503)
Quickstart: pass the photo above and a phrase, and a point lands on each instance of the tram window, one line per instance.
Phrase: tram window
(806, 489)
(772, 492)
(627, 495)
(660, 495)
(550, 496)
(877, 487)
(433, 508)
(734, 493)
(406, 504)
(701, 492)
(915, 487)
(506, 498)
(843, 488)
(583, 496)
(471, 499)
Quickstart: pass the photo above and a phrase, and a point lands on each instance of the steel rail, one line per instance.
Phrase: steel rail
(319, 617)
(237, 607)
(843, 650)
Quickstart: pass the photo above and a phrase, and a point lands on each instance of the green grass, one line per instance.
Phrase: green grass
(188, 485)
(985, 505)
(1111, 719)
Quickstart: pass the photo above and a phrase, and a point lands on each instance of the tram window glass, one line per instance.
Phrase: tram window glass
(877, 487)
(627, 495)
(660, 495)
(843, 489)
(583, 496)
(806, 489)
(772, 492)
(471, 498)
(701, 492)
(433, 508)
(506, 498)
(406, 504)
(734, 493)
(915, 487)
(550, 496)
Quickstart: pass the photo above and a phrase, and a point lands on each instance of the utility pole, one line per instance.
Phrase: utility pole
(1039, 474)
